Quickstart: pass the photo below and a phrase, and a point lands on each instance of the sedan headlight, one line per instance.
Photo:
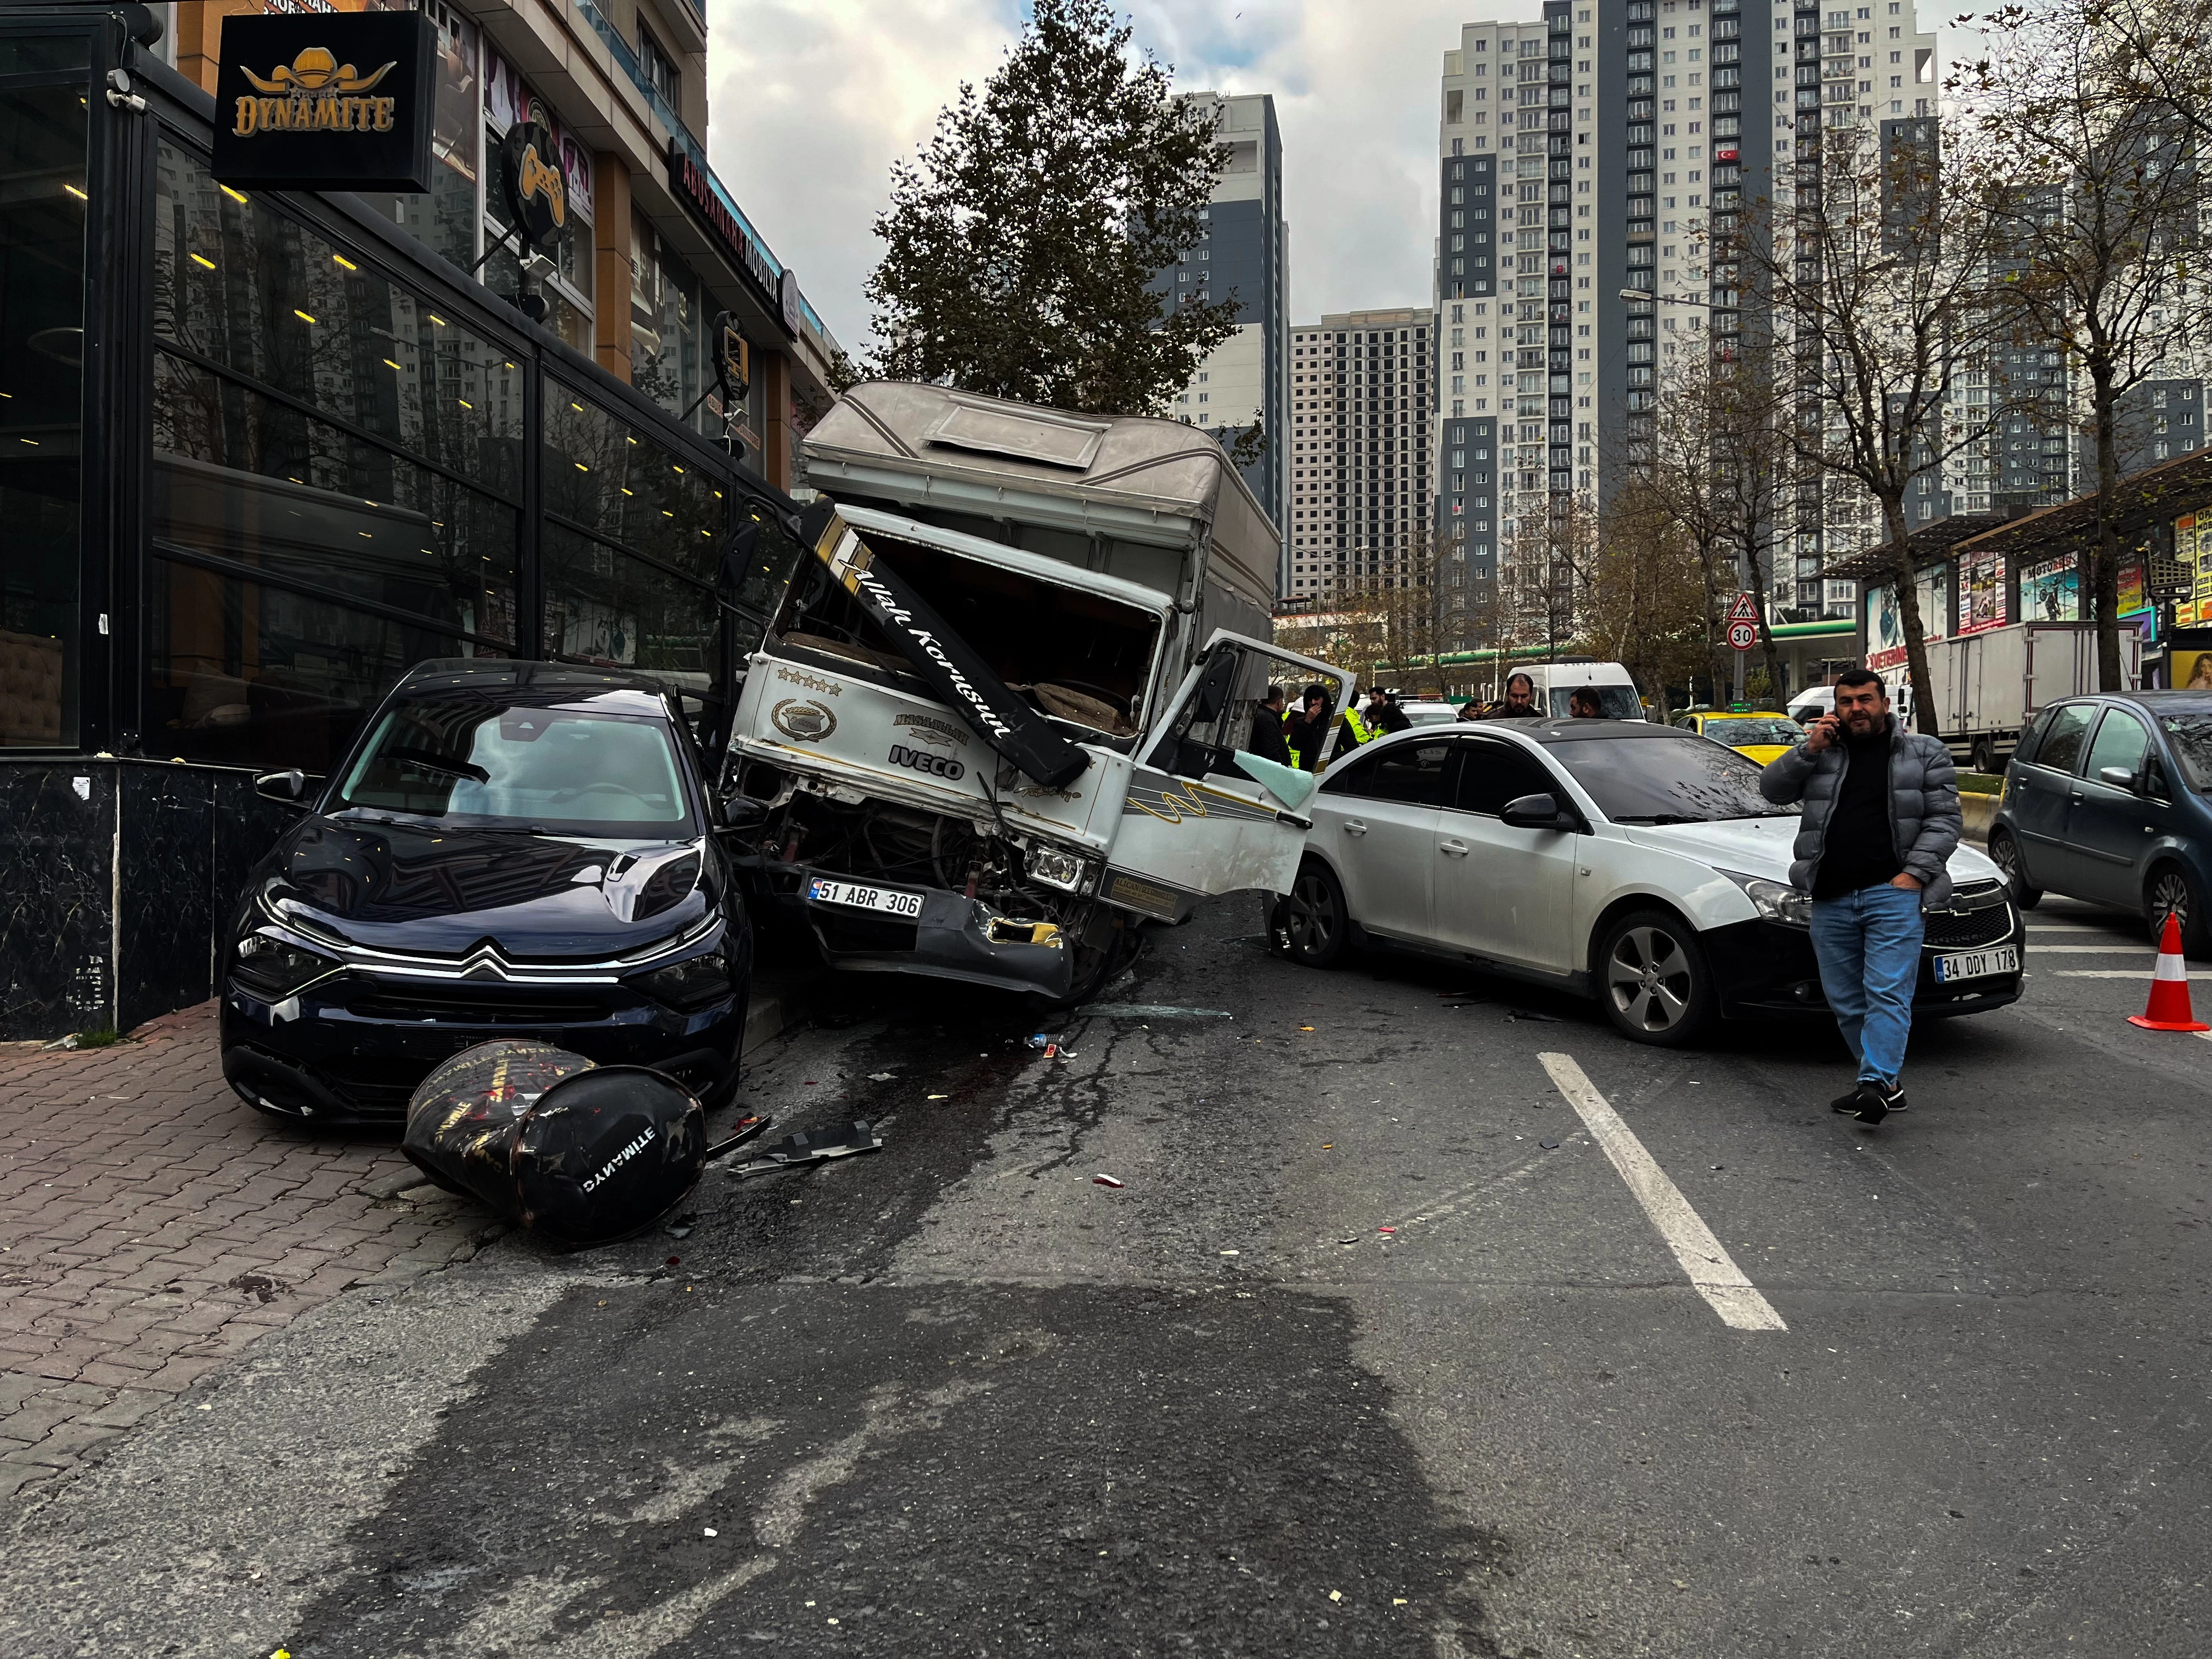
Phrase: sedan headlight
(275, 967)
(1775, 901)
(690, 984)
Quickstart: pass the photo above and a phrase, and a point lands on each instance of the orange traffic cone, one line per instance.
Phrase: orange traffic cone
(2169, 1009)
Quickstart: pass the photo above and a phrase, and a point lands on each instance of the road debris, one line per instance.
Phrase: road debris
(808, 1147)
(682, 1227)
(1041, 1041)
(1106, 1181)
(1549, 1145)
(881, 1077)
(1386, 1231)
(1525, 1013)
(580, 1153)
(940, 1097)
(1149, 1011)
(740, 1132)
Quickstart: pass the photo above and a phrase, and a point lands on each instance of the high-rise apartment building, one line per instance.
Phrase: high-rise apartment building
(1244, 249)
(1616, 145)
(1362, 471)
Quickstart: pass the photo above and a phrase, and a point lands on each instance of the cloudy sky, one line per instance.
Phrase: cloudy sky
(813, 98)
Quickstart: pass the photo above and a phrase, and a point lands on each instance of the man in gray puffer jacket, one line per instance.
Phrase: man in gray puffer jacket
(1879, 821)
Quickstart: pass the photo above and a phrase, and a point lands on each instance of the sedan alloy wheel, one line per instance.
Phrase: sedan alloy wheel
(1655, 983)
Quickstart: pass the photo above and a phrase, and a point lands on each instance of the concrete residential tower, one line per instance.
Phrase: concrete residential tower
(1361, 466)
(1245, 249)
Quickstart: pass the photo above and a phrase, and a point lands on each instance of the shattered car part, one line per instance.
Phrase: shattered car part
(583, 1153)
(807, 1147)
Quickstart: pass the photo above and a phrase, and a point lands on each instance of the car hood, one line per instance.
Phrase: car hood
(1760, 847)
(436, 891)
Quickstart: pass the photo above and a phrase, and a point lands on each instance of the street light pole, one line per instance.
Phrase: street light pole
(1638, 296)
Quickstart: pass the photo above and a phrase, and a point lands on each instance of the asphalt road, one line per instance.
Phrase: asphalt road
(1374, 1352)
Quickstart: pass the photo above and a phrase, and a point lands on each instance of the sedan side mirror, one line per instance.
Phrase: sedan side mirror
(1538, 811)
(2119, 777)
(285, 788)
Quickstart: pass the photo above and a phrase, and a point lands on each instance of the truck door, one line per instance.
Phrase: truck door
(1193, 822)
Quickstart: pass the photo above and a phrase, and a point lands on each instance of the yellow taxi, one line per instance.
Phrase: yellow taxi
(1762, 734)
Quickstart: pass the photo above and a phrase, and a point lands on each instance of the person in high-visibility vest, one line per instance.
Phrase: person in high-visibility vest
(1356, 728)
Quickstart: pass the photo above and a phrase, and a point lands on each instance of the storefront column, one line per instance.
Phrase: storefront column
(774, 372)
(199, 36)
(610, 231)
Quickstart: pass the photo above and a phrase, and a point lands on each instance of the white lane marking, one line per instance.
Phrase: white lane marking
(1713, 1275)
(2109, 973)
(2088, 950)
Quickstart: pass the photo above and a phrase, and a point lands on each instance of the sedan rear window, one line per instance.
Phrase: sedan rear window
(1669, 780)
(483, 765)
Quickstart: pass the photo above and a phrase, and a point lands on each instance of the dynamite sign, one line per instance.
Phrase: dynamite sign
(330, 101)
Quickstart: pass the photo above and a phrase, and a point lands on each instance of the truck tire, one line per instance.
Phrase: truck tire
(2004, 853)
(1984, 754)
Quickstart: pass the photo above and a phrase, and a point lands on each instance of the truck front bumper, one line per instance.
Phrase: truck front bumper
(955, 937)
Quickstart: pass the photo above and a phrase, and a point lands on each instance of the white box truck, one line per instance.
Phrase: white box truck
(1987, 686)
(1007, 708)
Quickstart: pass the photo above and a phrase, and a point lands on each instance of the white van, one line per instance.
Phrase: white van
(1815, 700)
(1555, 682)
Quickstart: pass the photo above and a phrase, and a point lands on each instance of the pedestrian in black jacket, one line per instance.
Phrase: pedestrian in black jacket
(1268, 741)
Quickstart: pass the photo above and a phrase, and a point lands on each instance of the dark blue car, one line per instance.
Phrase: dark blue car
(2106, 801)
(511, 849)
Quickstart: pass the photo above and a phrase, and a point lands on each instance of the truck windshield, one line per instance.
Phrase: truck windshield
(484, 766)
(1677, 779)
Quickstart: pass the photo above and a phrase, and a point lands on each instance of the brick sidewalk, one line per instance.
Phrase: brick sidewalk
(152, 1225)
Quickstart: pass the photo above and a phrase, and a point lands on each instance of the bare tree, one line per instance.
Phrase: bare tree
(2094, 199)
(1877, 269)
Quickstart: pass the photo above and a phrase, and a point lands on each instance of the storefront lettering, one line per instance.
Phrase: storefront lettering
(300, 114)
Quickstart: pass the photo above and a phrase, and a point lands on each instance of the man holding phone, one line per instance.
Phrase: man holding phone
(1879, 819)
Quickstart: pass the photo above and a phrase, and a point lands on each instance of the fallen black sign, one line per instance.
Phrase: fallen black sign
(941, 657)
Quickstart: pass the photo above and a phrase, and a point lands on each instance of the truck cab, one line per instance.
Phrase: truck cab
(1010, 703)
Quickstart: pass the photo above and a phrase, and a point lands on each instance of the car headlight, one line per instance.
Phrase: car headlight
(692, 983)
(1055, 868)
(275, 967)
(1774, 901)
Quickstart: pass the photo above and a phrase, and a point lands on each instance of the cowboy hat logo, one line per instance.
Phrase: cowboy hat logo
(316, 70)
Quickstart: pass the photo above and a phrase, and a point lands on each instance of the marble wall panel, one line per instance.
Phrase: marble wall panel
(56, 867)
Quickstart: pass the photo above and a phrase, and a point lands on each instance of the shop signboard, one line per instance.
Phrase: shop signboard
(2135, 596)
(326, 101)
(1982, 594)
(2050, 591)
(1885, 620)
(537, 194)
(689, 181)
(2192, 550)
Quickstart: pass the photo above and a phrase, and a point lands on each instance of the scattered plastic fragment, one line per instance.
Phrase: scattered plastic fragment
(1336, 1595)
(1348, 1241)
(1549, 1145)
(1106, 1181)
(1232, 1253)
(881, 1077)
(740, 1132)
(1385, 1230)
(1051, 1051)
(808, 1146)
(1328, 1145)
(1397, 1601)
(710, 1532)
(1305, 1028)
(1149, 1011)
(1525, 1013)
(682, 1227)
(940, 1097)
(1041, 1041)
(675, 1260)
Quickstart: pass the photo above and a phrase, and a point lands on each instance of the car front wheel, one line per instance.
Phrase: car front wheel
(1653, 978)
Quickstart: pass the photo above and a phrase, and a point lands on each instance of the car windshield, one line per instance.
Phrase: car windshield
(1737, 733)
(563, 771)
(1616, 702)
(1431, 713)
(2190, 736)
(1678, 779)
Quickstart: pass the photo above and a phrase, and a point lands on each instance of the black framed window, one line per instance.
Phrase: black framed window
(1493, 773)
(604, 606)
(43, 216)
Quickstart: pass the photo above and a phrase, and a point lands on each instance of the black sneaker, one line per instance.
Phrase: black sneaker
(1876, 1103)
(1847, 1103)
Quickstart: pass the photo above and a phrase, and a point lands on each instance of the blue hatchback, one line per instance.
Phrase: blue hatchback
(2106, 801)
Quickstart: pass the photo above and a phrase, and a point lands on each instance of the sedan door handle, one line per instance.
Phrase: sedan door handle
(2077, 794)
(1354, 827)
(1457, 849)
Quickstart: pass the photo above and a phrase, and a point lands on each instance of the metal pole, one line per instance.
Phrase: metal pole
(1742, 586)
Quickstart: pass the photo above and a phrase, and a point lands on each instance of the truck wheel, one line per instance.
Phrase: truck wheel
(1653, 979)
(1984, 754)
(2004, 853)
(2172, 892)
(1310, 924)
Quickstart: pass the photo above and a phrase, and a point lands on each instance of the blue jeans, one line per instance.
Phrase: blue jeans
(1869, 946)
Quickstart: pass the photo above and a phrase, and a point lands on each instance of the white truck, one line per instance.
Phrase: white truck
(1987, 686)
(1011, 703)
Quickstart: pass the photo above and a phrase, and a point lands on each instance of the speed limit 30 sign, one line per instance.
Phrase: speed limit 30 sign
(1741, 635)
